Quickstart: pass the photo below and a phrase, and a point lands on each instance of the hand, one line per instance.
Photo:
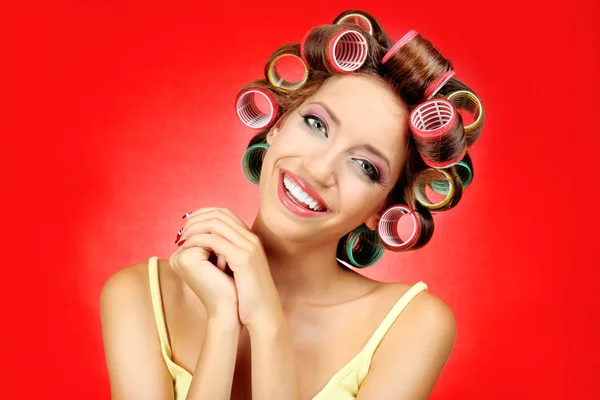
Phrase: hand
(204, 273)
(221, 231)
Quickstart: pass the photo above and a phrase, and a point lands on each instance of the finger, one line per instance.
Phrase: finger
(218, 223)
(234, 217)
(221, 263)
(175, 257)
(194, 261)
(230, 218)
(226, 211)
(215, 243)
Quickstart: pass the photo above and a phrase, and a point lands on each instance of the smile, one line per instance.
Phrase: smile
(292, 193)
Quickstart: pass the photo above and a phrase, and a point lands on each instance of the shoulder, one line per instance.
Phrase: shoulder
(133, 282)
(412, 355)
(131, 344)
(423, 306)
(132, 279)
(126, 302)
(126, 293)
(425, 313)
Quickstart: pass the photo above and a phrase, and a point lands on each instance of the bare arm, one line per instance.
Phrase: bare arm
(410, 364)
(135, 366)
(213, 375)
(133, 355)
(273, 369)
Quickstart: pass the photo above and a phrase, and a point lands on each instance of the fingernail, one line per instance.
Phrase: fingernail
(179, 233)
(187, 214)
(180, 243)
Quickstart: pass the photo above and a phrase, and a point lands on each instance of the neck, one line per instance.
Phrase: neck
(301, 270)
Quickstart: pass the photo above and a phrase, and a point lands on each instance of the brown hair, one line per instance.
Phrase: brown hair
(408, 73)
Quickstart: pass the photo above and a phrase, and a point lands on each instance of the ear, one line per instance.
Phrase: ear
(373, 221)
(275, 128)
(271, 135)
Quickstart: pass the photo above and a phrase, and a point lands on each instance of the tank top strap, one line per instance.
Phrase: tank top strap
(159, 315)
(387, 322)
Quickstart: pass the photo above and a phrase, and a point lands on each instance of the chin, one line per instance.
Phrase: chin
(284, 227)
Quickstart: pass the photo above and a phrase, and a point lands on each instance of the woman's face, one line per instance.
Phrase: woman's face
(348, 143)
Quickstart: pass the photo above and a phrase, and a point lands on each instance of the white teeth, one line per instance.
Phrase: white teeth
(302, 196)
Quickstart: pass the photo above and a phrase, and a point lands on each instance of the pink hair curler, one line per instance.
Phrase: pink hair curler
(435, 85)
(433, 118)
(302, 47)
(249, 111)
(405, 39)
(388, 228)
(347, 50)
(357, 19)
(447, 164)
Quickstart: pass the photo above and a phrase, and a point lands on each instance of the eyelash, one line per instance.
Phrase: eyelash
(374, 177)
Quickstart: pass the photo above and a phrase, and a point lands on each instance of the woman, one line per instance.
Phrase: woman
(271, 311)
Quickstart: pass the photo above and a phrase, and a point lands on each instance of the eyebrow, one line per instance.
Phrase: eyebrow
(377, 153)
(331, 113)
(338, 122)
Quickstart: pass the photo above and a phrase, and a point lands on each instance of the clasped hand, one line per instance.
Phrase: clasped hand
(247, 292)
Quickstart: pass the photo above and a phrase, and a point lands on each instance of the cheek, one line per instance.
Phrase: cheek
(287, 144)
(294, 140)
(355, 197)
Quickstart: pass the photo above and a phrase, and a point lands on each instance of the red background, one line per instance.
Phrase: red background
(124, 120)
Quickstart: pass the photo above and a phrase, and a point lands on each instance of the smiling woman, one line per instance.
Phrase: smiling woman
(370, 132)
(405, 123)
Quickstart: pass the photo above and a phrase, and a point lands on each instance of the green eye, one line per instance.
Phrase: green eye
(370, 170)
(316, 124)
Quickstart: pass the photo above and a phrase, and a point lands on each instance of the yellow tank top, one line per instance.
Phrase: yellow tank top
(343, 385)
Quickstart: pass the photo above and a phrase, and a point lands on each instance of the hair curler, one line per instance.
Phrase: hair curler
(356, 19)
(278, 81)
(468, 101)
(302, 55)
(388, 228)
(433, 120)
(252, 161)
(347, 50)
(463, 168)
(403, 40)
(425, 179)
(249, 112)
(435, 85)
(363, 247)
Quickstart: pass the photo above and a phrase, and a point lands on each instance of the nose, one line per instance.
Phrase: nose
(321, 167)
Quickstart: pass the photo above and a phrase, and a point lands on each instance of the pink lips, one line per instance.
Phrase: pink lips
(305, 187)
(290, 204)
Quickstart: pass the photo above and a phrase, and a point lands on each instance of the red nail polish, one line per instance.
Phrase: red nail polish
(177, 238)
(186, 215)
(180, 243)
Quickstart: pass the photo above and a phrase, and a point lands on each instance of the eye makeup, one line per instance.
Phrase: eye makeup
(311, 126)
(314, 111)
(379, 177)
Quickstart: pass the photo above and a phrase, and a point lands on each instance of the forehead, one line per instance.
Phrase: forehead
(368, 110)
